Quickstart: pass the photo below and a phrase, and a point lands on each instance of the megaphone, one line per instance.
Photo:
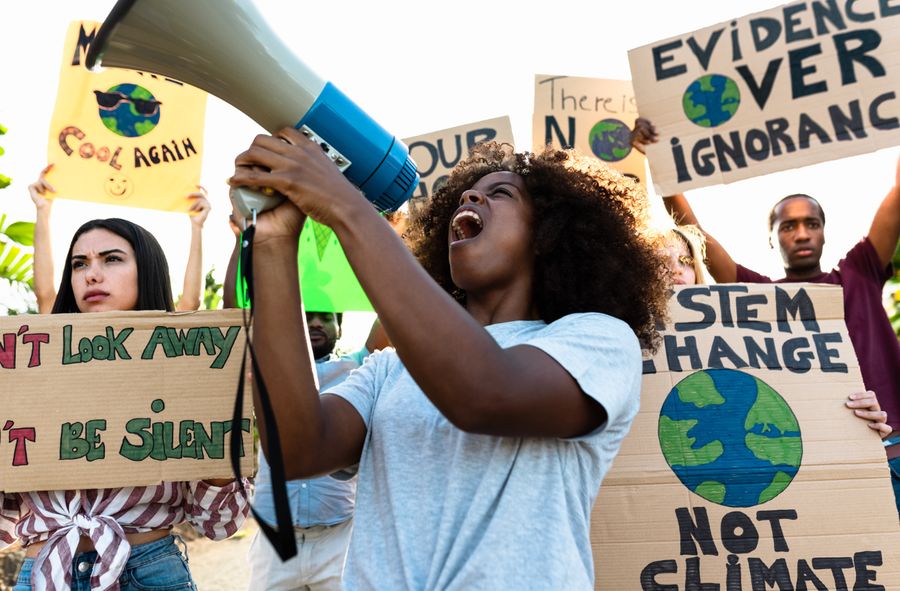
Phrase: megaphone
(226, 48)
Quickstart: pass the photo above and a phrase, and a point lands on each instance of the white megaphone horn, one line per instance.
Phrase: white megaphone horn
(226, 48)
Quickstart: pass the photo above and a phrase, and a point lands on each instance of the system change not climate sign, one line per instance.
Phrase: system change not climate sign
(744, 470)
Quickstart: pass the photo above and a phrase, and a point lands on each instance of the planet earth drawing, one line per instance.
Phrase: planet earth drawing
(610, 140)
(730, 438)
(711, 100)
(128, 110)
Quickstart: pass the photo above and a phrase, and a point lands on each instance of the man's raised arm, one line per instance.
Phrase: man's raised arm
(885, 229)
(720, 264)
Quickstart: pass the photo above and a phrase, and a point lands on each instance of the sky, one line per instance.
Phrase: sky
(418, 67)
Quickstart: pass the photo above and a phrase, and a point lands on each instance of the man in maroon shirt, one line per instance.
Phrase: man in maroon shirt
(797, 224)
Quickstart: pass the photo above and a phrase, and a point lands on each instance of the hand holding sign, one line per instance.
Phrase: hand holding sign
(643, 133)
(39, 190)
(199, 209)
(866, 407)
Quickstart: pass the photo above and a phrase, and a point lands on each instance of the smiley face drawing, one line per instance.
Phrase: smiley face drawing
(118, 186)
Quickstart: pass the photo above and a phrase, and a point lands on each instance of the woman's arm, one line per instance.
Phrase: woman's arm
(193, 271)
(217, 509)
(229, 286)
(44, 290)
(318, 435)
(720, 264)
(10, 514)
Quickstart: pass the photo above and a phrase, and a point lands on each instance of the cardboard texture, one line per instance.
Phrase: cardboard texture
(123, 137)
(436, 153)
(803, 83)
(119, 399)
(592, 115)
(743, 475)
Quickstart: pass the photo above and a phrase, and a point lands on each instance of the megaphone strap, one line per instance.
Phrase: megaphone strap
(282, 536)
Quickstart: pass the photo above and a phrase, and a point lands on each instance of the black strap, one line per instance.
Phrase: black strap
(282, 536)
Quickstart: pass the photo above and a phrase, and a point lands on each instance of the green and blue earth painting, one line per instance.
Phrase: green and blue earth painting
(730, 438)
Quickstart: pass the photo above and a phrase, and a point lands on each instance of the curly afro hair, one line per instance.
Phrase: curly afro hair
(593, 248)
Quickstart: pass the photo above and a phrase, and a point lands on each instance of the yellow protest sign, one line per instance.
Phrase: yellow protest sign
(744, 470)
(592, 115)
(803, 83)
(120, 399)
(123, 137)
(436, 153)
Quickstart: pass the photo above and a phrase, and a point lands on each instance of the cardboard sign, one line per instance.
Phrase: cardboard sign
(804, 83)
(327, 281)
(119, 399)
(592, 115)
(436, 153)
(744, 470)
(123, 137)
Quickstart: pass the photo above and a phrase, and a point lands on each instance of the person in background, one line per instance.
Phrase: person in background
(44, 290)
(107, 539)
(321, 508)
(686, 249)
(797, 228)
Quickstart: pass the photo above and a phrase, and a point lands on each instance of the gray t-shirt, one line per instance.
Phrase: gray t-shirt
(442, 509)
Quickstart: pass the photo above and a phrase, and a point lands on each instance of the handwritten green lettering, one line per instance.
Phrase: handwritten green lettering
(136, 453)
(224, 343)
(73, 446)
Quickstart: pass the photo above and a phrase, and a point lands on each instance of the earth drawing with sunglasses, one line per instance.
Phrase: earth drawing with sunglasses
(128, 110)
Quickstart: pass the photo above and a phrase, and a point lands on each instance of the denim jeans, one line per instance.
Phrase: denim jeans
(895, 480)
(156, 566)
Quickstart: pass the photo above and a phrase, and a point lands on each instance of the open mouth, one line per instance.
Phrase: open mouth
(466, 224)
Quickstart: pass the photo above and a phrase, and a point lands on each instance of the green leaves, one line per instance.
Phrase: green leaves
(4, 180)
(16, 263)
(893, 287)
(21, 232)
(212, 292)
(16, 259)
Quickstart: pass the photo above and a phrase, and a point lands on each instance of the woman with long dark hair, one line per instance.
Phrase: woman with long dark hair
(115, 538)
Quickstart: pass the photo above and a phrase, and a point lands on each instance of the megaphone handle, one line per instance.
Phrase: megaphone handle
(249, 202)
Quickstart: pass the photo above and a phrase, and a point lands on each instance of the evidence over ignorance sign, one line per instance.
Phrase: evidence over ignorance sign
(769, 91)
(744, 470)
(119, 399)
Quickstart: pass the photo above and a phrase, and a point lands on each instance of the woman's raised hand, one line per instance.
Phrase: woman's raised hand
(38, 190)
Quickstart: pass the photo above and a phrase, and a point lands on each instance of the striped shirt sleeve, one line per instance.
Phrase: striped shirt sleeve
(217, 512)
(9, 517)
